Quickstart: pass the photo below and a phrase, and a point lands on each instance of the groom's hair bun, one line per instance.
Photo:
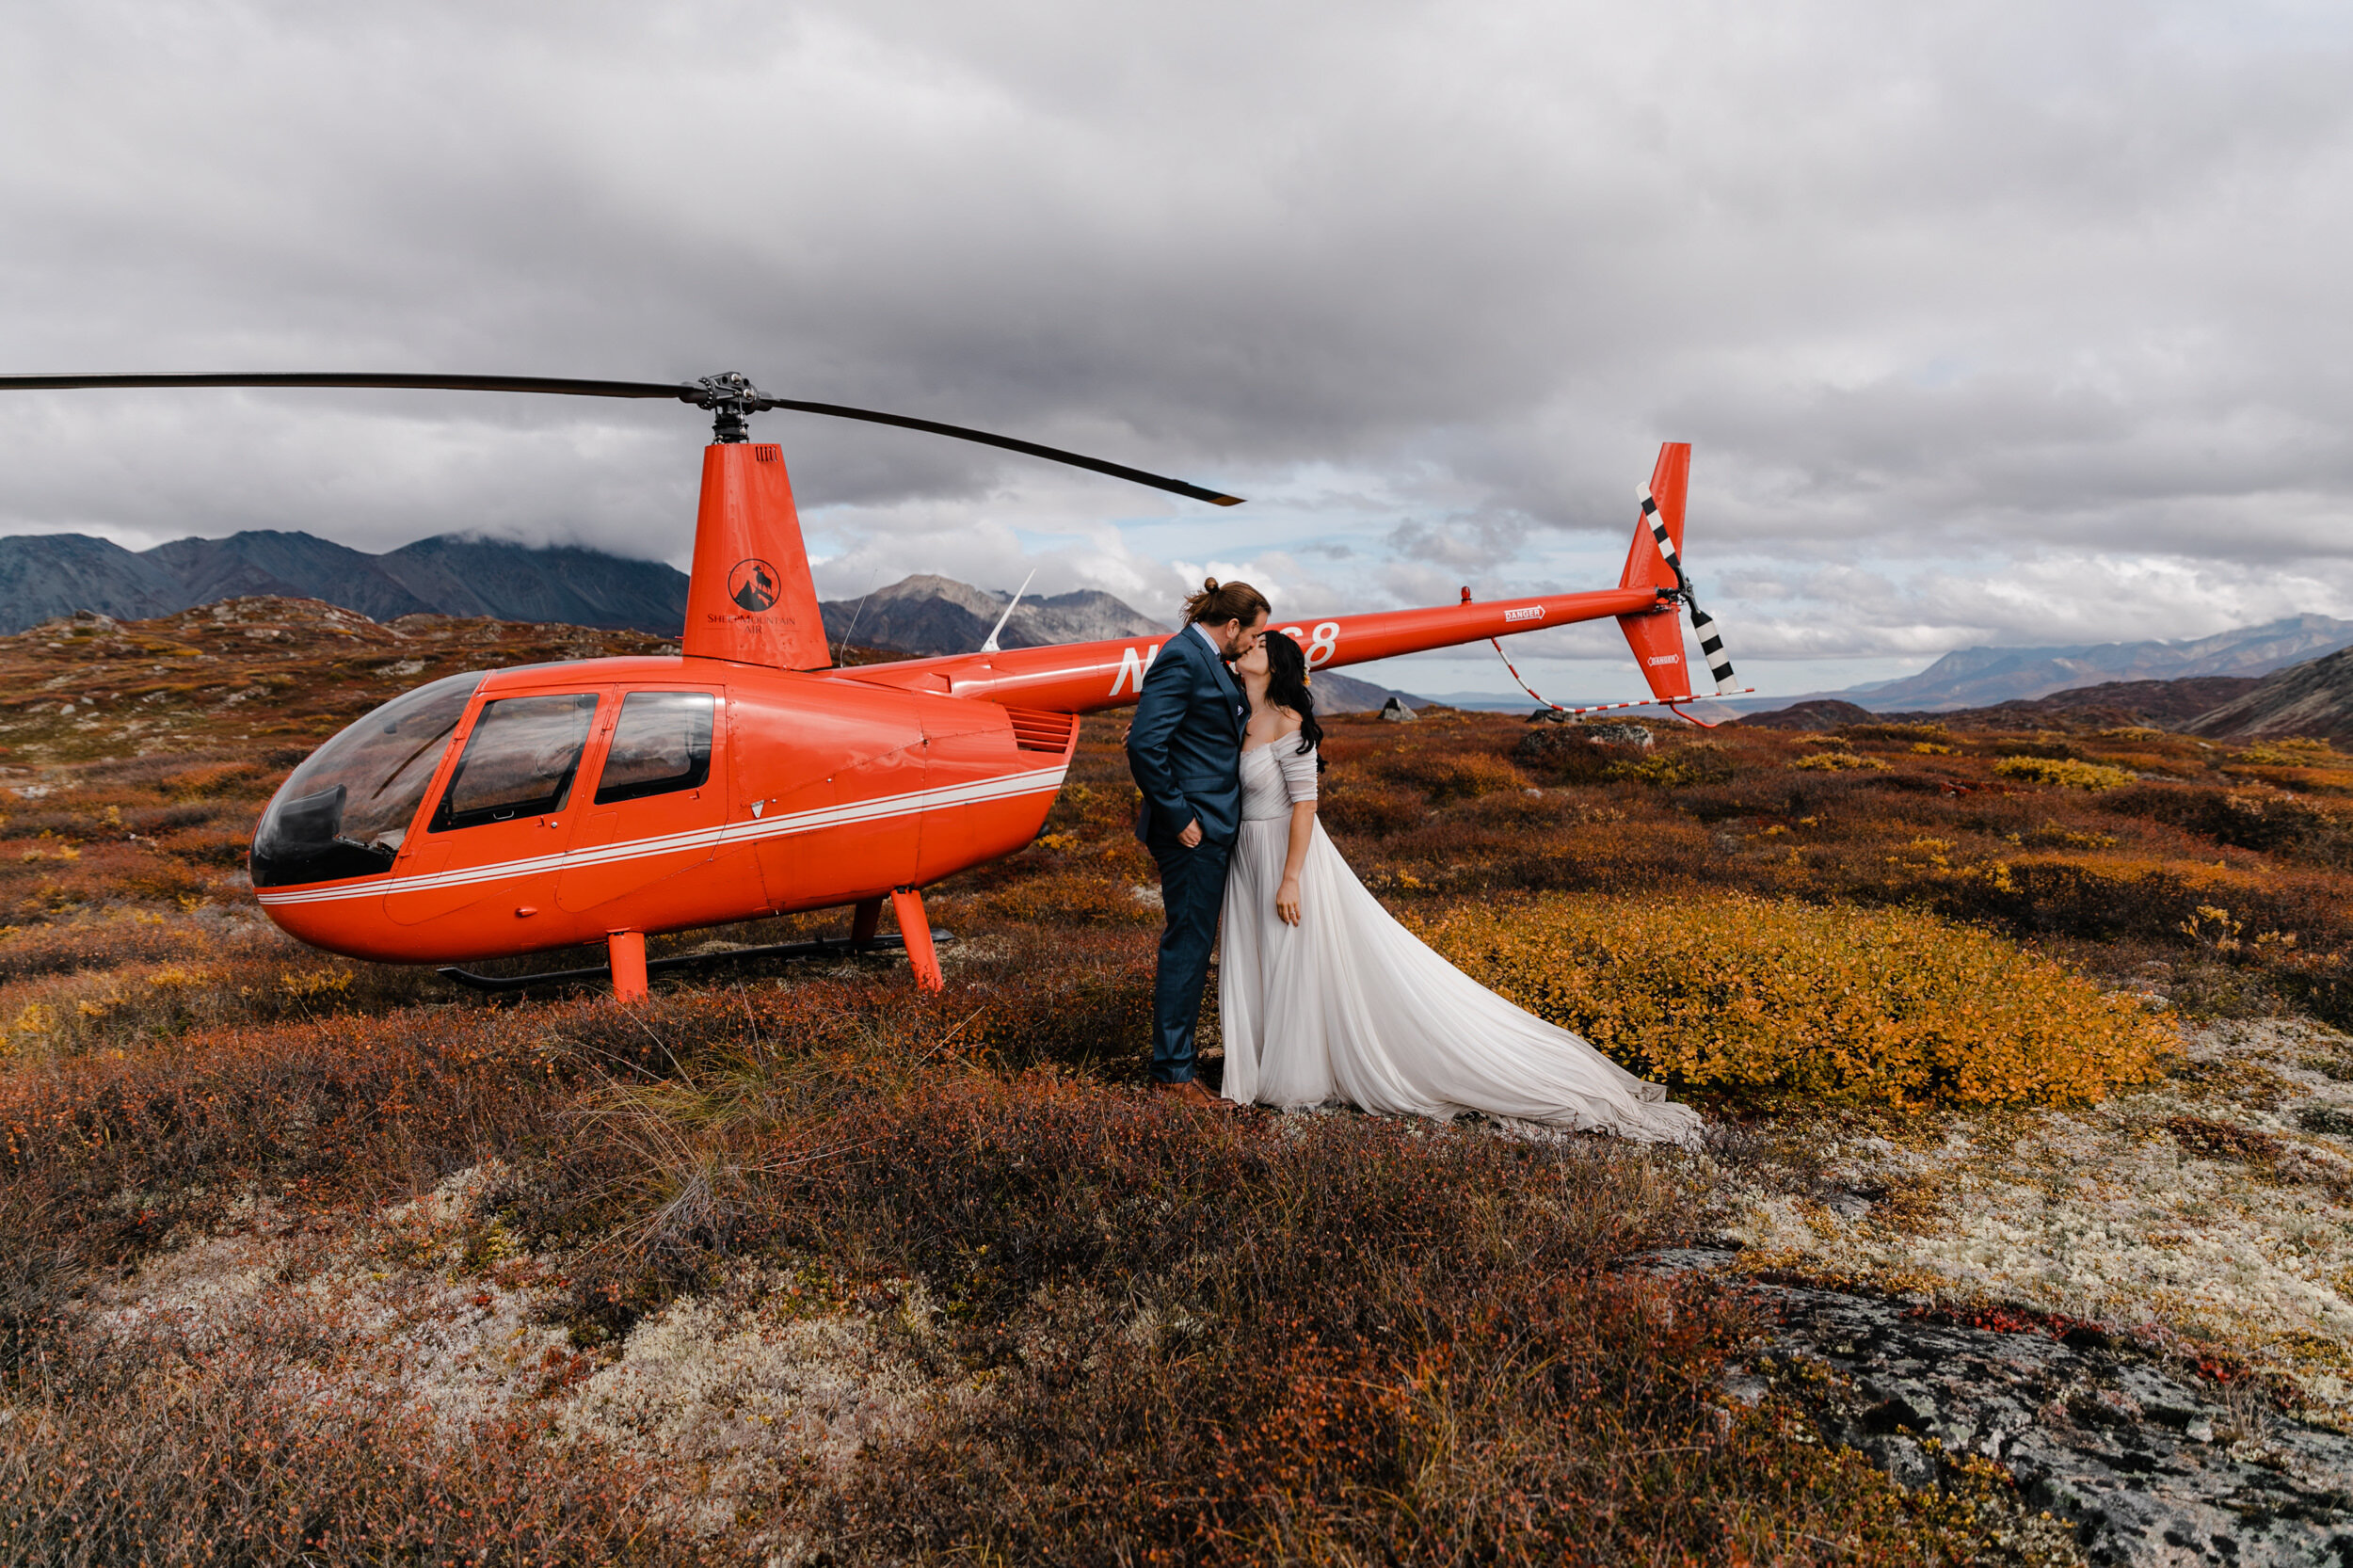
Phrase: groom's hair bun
(1219, 603)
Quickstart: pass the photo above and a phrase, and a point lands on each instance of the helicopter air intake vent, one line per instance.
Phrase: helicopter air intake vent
(765, 454)
(1035, 730)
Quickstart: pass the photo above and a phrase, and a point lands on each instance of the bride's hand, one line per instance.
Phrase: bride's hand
(1287, 901)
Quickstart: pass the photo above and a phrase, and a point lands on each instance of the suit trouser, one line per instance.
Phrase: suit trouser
(1193, 889)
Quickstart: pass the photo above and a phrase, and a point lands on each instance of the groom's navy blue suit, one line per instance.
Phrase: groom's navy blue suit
(1185, 752)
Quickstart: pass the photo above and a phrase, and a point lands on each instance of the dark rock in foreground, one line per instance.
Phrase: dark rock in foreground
(2148, 1468)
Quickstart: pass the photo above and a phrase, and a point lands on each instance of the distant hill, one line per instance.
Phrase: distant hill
(1815, 714)
(459, 576)
(1336, 692)
(1980, 677)
(46, 575)
(2314, 699)
(926, 616)
(2158, 704)
(43, 576)
(287, 566)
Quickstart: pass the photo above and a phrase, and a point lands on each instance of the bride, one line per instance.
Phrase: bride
(1324, 996)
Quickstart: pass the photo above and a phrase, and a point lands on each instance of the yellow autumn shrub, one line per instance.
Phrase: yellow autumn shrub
(2063, 771)
(1839, 761)
(2293, 751)
(1770, 999)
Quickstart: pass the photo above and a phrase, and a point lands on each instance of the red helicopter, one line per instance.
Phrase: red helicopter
(491, 814)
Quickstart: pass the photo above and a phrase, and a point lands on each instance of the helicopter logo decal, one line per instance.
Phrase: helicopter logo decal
(753, 584)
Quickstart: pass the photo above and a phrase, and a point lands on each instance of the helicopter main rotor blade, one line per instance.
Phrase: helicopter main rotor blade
(1051, 454)
(700, 395)
(682, 392)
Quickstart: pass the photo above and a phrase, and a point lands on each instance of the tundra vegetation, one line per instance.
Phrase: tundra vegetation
(308, 1260)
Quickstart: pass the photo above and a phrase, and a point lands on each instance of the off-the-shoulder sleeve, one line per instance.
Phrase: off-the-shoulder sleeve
(1299, 771)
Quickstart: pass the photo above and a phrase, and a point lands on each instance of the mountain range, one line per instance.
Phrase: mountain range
(925, 614)
(43, 576)
(1980, 677)
(46, 575)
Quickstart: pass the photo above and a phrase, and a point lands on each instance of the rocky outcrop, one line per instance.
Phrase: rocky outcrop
(2148, 1466)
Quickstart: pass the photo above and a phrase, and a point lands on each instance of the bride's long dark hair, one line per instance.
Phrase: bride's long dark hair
(1287, 687)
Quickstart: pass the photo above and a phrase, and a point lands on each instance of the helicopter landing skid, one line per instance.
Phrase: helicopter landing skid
(602, 974)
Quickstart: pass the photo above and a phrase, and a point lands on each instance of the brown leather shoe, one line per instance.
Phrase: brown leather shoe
(1191, 1093)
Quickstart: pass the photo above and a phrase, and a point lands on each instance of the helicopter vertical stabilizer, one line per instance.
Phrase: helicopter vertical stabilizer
(1655, 635)
(751, 599)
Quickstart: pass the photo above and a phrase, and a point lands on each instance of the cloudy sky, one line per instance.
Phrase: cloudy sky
(2000, 322)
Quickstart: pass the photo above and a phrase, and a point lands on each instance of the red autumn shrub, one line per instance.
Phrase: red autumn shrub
(1351, 807)
(1445, 776)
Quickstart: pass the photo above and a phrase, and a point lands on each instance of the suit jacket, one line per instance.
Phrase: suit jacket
(1185, 745)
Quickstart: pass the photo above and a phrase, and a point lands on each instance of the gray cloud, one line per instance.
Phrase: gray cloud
(1943, 296)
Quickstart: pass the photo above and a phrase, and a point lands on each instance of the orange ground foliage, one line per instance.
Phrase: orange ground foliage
(1820, 1003)
(1402, 1346)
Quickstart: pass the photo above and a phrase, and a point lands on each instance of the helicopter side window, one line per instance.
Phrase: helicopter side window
(661, 744)
(519, 761)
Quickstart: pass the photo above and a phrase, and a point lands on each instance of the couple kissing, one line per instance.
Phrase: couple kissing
(1322, 996)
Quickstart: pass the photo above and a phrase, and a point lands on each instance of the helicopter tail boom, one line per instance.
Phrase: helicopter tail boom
(1080, 678)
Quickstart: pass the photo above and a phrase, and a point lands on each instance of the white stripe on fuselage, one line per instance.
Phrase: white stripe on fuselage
(1043, 782)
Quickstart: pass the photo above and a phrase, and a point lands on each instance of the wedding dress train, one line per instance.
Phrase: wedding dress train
(1350, 1005)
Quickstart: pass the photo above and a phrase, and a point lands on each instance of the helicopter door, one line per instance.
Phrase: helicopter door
(499, 831)
(828, 786)
(657, 806)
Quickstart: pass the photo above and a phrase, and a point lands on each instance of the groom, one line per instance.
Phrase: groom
(1185, 752)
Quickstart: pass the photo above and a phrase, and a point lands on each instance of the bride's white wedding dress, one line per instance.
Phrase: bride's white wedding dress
(1350, 1005)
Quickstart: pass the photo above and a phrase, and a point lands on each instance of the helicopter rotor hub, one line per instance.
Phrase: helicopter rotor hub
(732, 400)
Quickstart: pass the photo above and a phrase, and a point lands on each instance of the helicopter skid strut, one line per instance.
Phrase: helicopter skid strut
(827, 947)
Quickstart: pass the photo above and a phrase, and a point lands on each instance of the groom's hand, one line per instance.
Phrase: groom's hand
(1190, 837)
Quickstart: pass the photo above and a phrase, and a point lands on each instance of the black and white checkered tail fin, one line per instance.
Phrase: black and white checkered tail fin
(1711, 637)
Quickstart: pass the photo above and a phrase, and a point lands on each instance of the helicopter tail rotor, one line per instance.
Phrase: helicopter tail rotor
(1654, 560)
(1702, 624)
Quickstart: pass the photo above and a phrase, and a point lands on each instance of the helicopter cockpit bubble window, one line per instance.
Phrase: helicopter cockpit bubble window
(519, 761)
(662, 744)
(348, 808)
